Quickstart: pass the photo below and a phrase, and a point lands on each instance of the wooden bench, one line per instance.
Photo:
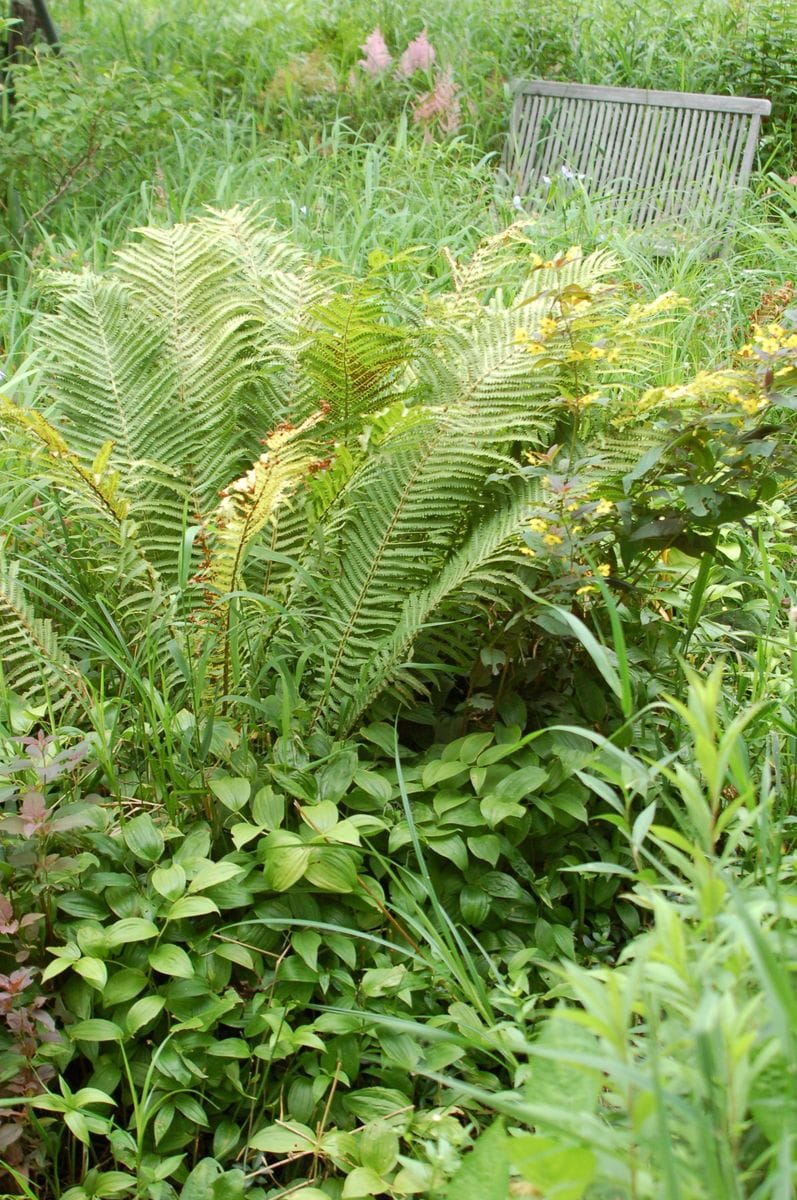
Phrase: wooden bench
(662, 159)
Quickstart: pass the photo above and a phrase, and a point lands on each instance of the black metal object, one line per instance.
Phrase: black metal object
(46, 24)
(30, 15)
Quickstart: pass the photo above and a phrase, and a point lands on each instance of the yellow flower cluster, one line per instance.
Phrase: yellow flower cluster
(662, 304)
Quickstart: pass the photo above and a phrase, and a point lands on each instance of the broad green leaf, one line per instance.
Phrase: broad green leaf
(268, 808)
(379, 1147)
(131, 929)
(332, 869)
(143, 1012)
(520, 784)
(95, 1030)
(191, 906)
(226, 1137)
(484, 1173)
(558, 1170)
(172, 960)
(124, 985)
(113, 1183)
(363, 1181)
(371, 1103)
(169, 882)
(285, 1138)
(94, 971)
(284, 865)
(374, 785)
(437, 771)
(212, 873)
(486, 847)
(232, 791)
(320, 817)
(143, 838)
(494, 810)
(306, 943)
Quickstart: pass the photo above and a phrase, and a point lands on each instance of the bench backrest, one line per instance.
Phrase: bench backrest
(660, 157)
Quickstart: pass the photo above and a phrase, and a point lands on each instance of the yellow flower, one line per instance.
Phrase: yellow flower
(572, 506)
(613, 354)
(521, 337)
(769, 345)
(527, 550)
(552, 539)
(536, 348)
(573, 253)
(604, 569)
(538, 525)
(596, 352)
(536, 261)
(584, 591)
(576, 530)
(603, 508)
(547, 327)
(775, 331)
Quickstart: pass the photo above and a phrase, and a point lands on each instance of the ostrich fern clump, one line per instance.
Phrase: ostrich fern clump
(388, 502)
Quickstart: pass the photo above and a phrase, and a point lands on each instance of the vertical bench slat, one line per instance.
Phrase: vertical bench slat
(675, 155)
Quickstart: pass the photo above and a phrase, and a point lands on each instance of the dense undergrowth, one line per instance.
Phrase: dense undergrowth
(397, 617)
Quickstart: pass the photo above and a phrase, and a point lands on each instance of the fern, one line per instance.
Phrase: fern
(387, 501)
(34, 665)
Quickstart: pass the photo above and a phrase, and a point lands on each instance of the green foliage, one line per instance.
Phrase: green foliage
(355, 548)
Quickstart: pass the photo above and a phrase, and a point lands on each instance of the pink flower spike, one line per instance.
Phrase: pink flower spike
(419, 56)
(377, 56)
(440, 105)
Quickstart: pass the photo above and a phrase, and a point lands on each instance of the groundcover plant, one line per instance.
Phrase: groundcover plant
(397, 622)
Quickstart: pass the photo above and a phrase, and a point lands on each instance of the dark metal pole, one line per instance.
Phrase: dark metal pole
(47, 24)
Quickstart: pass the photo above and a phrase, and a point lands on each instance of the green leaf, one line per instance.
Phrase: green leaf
(487, 847)
(520, 784)
(113, 1183)
(94, 971)
(169, 882)
(172, 960)
(437, 771)
(379, 1147)
(226, 1137)
(95, 1030)
(494, 810)
(363, 1181)
(191, 906)
(268, 808)
(143, 839)
(232, 791)
(130, 929)
(558, 1170)
(124, 985)
(285, 865)
(306, 943)
(143, 1012)
(211, 874)
(332, 869)
(484, 1173)
(374, 785)
(288, 1138)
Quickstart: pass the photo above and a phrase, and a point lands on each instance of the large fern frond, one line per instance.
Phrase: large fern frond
(34, 664)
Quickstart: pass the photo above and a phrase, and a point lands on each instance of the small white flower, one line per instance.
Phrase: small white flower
(303, 210)
(517, 203)
(567, 173)
(546, 179)
(793, 615)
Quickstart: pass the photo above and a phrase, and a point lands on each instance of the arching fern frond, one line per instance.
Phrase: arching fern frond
(34, 665)
(247, 506)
